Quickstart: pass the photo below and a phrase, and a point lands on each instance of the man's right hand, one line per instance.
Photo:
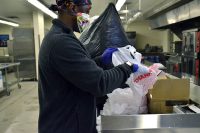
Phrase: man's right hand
(138, 68)
(142, 69)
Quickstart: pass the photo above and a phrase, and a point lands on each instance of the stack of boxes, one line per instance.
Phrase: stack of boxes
(167, 93)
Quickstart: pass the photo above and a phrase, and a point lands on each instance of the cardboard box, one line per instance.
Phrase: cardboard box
(166, 93)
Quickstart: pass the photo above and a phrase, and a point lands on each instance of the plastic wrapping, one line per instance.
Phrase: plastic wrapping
(145, 77)
(106, 31)
(125, 102)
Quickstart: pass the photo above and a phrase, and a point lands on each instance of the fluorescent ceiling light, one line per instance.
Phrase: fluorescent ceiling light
(9, 23)
(119, 4)
(122, 17)
(43, 8)
(137, 14)
(124, 11)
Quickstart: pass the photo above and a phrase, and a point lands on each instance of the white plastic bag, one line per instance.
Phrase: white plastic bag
(131, 100)
(138, 81)
(125, 54)
(156, 67)
(142, 82)
(123, 102)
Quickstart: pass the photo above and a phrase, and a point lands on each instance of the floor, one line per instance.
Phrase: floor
(19, 111)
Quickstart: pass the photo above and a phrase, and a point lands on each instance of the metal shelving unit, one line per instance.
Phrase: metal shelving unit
(10, 78)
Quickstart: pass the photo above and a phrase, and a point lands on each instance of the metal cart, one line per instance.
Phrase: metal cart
(7, 83)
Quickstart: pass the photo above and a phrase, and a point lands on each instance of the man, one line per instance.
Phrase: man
(69, 80)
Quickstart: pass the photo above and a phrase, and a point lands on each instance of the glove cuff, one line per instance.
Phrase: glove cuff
(134, 67)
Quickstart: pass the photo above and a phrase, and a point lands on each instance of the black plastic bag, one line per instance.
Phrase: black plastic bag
(106, 31)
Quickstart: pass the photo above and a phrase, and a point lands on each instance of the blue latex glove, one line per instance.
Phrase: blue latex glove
(135, 68)
(107, 55)
(140, 69)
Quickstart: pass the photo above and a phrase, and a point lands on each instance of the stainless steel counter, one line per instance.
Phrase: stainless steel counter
(168, 123)
(155, 123)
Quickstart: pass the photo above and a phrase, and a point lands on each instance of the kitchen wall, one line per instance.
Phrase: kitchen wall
(175, 38)
(47, 23)
(146, 35)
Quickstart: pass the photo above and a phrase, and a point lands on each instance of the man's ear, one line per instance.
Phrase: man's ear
(70, 6)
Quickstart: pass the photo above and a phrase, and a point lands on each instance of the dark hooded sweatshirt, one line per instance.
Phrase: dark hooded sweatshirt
(69, 82)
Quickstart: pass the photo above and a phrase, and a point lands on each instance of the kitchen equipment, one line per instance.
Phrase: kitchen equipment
(174, 64)
(24, 52)
(190, 69)
(186, 109)
(190, 55)
(178, 47)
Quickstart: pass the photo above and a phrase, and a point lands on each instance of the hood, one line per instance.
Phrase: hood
(183, 15)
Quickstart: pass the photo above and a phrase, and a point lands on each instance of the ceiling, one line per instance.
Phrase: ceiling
(19, 9)
(22, 10)
(146, 5)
